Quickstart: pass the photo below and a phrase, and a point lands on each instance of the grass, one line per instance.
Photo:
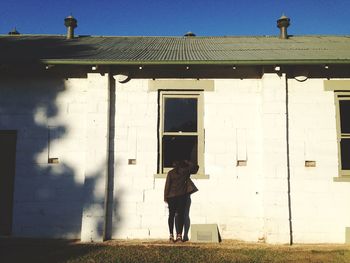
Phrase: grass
(32, 250)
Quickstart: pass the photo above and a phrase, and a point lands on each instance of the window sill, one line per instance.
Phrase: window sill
(193, 176)
(341, 179)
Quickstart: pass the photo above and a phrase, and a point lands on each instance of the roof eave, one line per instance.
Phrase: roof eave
(189, 63)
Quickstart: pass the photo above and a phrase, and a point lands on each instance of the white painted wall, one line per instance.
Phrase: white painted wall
(233, 196)
(274, 158)
(49, 198)
(242, 119)
(320, 206)
(139, 211)
(96, 158)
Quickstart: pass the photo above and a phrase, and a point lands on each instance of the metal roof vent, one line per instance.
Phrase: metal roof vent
(282, 24)
(70, 22)
(13, 32)
(189, 34)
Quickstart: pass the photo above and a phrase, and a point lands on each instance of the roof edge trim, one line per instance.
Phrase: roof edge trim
(188, 63)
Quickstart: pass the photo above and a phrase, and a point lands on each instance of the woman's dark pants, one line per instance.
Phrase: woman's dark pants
(177, 206)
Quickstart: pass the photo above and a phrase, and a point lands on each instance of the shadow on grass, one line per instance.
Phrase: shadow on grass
(43, 250)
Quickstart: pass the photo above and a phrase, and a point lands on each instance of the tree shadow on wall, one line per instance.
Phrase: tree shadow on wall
(49, 198)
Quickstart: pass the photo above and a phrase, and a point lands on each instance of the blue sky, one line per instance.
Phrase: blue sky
(176, 17)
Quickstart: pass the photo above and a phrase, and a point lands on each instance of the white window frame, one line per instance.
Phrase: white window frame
(341, 96)
(340, 88)
(163, 94)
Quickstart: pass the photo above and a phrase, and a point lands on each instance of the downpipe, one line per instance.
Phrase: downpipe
(109, 187)
(288, 164)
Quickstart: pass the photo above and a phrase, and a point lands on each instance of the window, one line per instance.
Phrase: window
(341, 89)
(343, 130)
(181, 133)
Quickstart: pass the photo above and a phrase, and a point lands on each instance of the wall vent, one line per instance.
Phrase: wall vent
(208, 233)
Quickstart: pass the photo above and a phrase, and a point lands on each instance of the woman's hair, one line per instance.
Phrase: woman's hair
(180, 164)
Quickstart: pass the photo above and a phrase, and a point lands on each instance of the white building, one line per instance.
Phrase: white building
(89, 126)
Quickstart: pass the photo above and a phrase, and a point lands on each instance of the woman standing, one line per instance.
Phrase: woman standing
(178, 187)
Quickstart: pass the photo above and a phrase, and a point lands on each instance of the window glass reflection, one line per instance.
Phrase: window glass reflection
(180, 114)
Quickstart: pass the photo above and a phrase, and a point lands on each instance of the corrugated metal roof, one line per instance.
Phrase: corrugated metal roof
(175, 50)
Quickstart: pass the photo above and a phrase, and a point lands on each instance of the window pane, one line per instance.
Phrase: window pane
(344, 116)
(180, 115)
(345, 154)
(177, 148)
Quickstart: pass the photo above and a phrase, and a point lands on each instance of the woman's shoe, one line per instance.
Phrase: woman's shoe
(171, 238)
(178, 238)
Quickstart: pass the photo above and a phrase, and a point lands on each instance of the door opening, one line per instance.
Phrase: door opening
(7, 176)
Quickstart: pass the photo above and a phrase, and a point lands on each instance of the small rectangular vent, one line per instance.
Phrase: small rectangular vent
(53, 160)
(347, 235)
(132, 161)
(241, 163)
(205, 233)
(310, 163)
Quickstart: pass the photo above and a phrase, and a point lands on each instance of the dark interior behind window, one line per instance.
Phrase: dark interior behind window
(178, 148)
(345, 153)
(180, 115)
(344, 116)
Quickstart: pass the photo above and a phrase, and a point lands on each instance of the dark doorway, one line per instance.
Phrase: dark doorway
(7, 176)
